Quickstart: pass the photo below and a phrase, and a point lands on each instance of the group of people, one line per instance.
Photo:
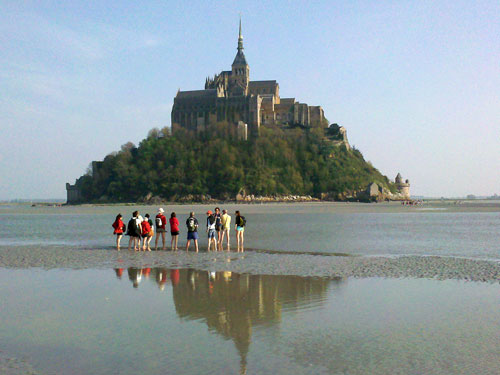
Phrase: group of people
(218, 227)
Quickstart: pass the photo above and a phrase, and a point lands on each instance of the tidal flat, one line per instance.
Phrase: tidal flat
(322, 288)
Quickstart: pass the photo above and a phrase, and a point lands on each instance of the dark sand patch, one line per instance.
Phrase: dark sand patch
(257, 262)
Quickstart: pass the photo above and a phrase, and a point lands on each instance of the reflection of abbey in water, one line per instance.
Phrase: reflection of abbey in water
(232, 304)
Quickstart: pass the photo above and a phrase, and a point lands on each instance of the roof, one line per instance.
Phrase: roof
(196, 94)
(287, 101)
(262, 83)
(240, 58)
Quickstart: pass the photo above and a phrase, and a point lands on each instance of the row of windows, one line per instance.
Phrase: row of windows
(239, 72)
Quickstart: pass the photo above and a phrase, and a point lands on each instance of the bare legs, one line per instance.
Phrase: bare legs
(162, 239)
(118, 239)
(136, 241)
(239, 240)
(212, 240)
(145, 242)
(225, 233)
(173, 242)
(220, 233)
(195, 245)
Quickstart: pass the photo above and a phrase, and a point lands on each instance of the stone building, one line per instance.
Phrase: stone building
(403, 187)
(230, 97)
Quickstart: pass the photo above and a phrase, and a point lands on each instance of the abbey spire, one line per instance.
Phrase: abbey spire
(240, 39)
(240, 59)
(240, 71)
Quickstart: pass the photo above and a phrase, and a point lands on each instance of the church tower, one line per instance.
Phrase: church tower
(240, 72)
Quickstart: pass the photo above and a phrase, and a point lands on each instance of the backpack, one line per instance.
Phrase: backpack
(243, 221)
(133, 230)
(158, 222)
(191, 224)
(211, 219)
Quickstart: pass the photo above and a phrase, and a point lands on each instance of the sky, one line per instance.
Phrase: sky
(415, 83)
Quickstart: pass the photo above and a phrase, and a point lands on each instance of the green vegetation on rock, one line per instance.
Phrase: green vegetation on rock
(279, 162)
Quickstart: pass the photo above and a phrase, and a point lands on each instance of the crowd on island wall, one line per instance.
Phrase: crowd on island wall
(141, 230)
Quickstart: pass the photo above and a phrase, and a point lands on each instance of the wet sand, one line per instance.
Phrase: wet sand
(257, 262)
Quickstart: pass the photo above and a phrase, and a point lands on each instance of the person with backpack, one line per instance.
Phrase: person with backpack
(192, 227)
(147, 232)
(134, 231)
(119, 228)
(211, 230)
(240, 223)
(160, 222)
(218, 226)
(174, 230)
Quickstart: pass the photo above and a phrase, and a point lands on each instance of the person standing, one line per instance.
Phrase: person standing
(211, 230)
(147, 232)
(218, 226)
(192, 234)
(240, 223)
(119, 228)
(140, 219)
(160, 222)
(174, 230)
(134, 231)
(225, 220)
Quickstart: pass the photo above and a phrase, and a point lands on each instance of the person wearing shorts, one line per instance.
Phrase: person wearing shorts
(174, 230)
(119, 227)
(240, 230)
(211, 230)
(225, 220)
(192, 231)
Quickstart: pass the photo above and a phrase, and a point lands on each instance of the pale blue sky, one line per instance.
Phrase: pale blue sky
(416, 83)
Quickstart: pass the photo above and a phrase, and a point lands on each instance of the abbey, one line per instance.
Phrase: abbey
(230, 97)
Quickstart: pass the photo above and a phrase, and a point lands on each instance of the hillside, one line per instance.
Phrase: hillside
(298, 161)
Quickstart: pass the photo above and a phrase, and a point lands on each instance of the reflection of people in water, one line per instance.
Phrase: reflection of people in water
(174, 277)
(161, 278)
(119, 272)
(134, 275)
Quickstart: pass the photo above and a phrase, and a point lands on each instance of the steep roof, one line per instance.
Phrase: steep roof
(240, 58)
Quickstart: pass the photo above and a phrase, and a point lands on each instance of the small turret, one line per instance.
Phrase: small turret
(398, 179)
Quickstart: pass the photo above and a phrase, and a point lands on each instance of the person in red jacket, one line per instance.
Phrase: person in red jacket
(119, 228)
(174, 230)
(160, 222)
(146, 232)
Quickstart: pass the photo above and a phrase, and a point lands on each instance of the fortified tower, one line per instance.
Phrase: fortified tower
(403, 187)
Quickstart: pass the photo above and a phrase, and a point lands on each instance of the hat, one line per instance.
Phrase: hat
(160, 210)
(209, 212)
